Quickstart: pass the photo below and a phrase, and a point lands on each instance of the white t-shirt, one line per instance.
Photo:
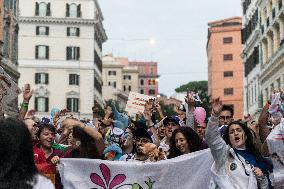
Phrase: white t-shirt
(43, 183)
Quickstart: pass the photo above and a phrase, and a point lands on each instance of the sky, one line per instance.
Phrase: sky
(172, 33)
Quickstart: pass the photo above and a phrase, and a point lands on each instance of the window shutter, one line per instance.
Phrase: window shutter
(78, 32)
(67, 10)
(46, 30)
(48, 10)
(37, 30)
(70, 79)
(68, 31)
(78, 53)
(36, 78)
(47, 78)
(67, 53)
(36, 52)
(46, 104)
(36, 102)
(78, 79)
(69, 104)
(47, 52)
(37, 9)
(79, 10)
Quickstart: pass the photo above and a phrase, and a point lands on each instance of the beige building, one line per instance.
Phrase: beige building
(271, 14)
(60, 54)
(225, 66)
(9, 44)
(118, 79)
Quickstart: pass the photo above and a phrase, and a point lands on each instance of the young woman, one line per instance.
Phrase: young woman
(17, 166)
(237, 163)
(183, 141)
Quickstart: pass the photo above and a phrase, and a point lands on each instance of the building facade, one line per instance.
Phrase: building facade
(9, 45)
(225, 67)
(119, 79)
(60, 54)
(263, 52)
(148, 77)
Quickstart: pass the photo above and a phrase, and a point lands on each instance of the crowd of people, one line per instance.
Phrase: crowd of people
(245, 151)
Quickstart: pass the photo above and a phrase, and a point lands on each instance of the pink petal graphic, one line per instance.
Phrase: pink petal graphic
(106, 173)
(118, 179)
(95, 178)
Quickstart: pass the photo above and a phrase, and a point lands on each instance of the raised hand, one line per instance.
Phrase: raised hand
(27, 93)
(216, 106)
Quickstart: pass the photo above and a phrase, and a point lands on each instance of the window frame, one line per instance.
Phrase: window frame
(228, 91)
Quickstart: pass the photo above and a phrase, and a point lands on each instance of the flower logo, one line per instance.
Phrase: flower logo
(106, 182)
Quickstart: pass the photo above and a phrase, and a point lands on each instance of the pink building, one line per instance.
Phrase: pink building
(148, 77)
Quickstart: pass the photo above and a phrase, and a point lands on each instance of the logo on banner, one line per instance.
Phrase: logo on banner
(105, 182)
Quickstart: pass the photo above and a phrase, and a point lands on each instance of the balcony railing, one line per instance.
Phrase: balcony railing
(267, 22)
(280, 4)
(273, 13)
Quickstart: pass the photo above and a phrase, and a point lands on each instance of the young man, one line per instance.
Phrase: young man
(225, 118)
(170, 123)
(140, 137)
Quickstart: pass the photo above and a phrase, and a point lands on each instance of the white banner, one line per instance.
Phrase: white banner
(191, 171)
(136, 103)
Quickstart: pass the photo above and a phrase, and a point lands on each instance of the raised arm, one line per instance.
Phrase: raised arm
(219, 149)
(27, 94)
(189, 107)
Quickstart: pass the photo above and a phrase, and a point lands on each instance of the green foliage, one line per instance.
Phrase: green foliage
(194, 86)
(167, 110)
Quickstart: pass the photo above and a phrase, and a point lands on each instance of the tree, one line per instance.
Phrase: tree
(200, 87)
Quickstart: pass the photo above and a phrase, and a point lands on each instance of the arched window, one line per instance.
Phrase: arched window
(73, 10)
(42, 9)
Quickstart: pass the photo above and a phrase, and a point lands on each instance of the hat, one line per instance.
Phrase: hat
(141, 133)
(173, 119)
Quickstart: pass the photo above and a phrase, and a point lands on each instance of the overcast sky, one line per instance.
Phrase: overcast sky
(173, 33)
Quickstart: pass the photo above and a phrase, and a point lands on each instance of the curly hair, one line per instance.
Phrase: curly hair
(192, 138)
(249, 137)
(17, 167)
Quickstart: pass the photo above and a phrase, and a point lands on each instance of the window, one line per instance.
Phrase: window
(228, 91)
(74, 79)
(127, 77)
(72, 31)
(152, 92)
(141, 91)
(41, 104)
(41, 78)
(111, 72)
(72, 53)
(42, 9)
(227, 40)
(228, 57)
(42, 30)
(73, 10)
(42, 52)
(141, 82)
(112, 83)
(124, 88)
(6, 43)
(151, 82)
(73, 104)
(129, 88)
(228, 74)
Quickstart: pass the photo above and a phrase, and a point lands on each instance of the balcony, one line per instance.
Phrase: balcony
(275, 56)
(273, 13)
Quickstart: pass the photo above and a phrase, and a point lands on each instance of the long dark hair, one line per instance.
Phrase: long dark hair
(192, 138)
(249, 137)
(88, 147)
(17, 167)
